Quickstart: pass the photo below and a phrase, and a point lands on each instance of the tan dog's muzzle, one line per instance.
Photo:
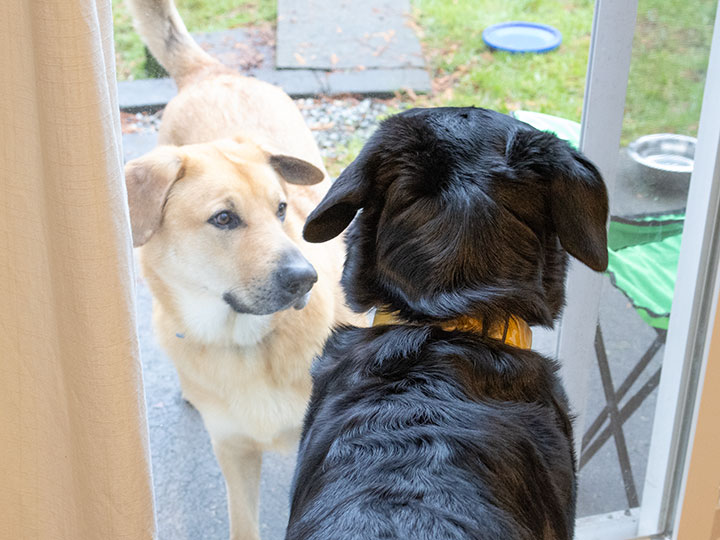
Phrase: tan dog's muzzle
(287, 286)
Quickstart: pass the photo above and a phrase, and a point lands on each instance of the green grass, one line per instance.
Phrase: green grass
(667, 73)
(199, 16)
(551, 83)
(667, 70)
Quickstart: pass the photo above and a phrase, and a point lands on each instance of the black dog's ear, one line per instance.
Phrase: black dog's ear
(579, 206)
(578, 196)
(344, 198)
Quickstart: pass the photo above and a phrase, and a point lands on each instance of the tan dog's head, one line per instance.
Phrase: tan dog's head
(214, 218)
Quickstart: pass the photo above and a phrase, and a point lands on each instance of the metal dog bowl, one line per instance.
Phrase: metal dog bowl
(664, 160)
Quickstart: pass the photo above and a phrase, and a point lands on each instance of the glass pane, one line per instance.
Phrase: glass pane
(189, 488)
(664, 96)
(667, 74)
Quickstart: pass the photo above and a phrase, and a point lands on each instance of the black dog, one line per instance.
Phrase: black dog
(432, 428)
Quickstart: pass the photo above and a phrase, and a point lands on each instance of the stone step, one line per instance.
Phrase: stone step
(249, 52)
(346, 34)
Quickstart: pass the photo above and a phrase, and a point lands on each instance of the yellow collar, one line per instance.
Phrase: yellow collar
(513, 331)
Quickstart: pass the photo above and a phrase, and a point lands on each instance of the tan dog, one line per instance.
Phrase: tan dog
(218, 211)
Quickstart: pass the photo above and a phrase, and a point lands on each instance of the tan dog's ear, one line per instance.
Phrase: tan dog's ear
(293, 170)
(296, 171)
(148, 180)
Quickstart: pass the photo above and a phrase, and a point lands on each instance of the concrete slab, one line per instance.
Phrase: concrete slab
(378, 82)
(345, 34)
(145, 94)
(390, 46)
(137, 144)
(297, 82)
(154, 94)
(244, 49)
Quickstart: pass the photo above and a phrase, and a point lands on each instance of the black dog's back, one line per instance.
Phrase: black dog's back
(418, 433)
(461, 218)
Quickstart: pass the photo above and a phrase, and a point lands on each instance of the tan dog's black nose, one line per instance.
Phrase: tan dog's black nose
(297, 277)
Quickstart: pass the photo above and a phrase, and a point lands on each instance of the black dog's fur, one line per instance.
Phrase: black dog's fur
(415, 432)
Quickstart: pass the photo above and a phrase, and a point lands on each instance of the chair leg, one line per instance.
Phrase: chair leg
(626, 384)
(626, 411)
(616, 426)
(619, 416)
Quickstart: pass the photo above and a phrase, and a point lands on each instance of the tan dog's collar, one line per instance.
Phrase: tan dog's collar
(513, 331)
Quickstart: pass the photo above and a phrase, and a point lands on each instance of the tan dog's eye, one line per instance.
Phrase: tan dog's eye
(225, 220)
(282, 208)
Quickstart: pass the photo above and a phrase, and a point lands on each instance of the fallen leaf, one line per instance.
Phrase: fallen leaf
(299, 59)
(415, 27)
(333, 59)
(380, 50)
(387, 36)
(322, 127)
(444, 80)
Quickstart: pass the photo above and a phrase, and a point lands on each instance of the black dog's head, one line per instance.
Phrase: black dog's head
(465, 211)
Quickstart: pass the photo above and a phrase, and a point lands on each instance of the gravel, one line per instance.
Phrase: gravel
(140, 122)
(334, 122)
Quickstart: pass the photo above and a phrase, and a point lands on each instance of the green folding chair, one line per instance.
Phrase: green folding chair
(563, 128)
(643, 256)
(643, 253)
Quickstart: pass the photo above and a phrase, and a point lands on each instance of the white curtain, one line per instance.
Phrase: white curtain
(73, 436)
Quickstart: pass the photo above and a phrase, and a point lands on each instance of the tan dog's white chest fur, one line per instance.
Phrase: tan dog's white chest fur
(241, 303)
(247, 374)
(208, 321)
(239, 397)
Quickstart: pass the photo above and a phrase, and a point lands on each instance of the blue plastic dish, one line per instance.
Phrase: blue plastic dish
(522, 37)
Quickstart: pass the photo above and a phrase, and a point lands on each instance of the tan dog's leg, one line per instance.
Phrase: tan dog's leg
(240, 461)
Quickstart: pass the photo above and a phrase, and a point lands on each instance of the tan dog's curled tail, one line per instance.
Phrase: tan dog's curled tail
(163, 31)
